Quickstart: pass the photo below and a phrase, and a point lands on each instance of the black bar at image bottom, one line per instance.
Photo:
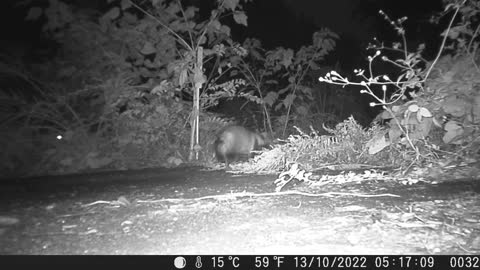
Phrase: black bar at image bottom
(255, 261)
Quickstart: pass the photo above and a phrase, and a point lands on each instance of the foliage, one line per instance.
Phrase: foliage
(455, 83)
(445, 89)
(347, 144)
(279, 77)
(33, 113)
(127, 67)
(226, 90)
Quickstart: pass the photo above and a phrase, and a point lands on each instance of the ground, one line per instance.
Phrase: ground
(197, 211)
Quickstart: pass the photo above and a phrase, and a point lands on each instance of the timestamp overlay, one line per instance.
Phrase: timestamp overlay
(330, 262)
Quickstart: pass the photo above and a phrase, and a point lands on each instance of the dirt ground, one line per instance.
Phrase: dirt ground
(196, 211)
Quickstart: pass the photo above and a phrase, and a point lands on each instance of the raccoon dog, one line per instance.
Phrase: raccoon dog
(237, 142)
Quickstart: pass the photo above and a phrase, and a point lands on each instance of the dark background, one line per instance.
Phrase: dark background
(287, 23)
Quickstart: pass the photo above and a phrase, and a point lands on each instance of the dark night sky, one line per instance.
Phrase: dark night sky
(290, 23)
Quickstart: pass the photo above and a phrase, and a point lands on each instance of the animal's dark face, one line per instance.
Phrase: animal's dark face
(265, 139)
